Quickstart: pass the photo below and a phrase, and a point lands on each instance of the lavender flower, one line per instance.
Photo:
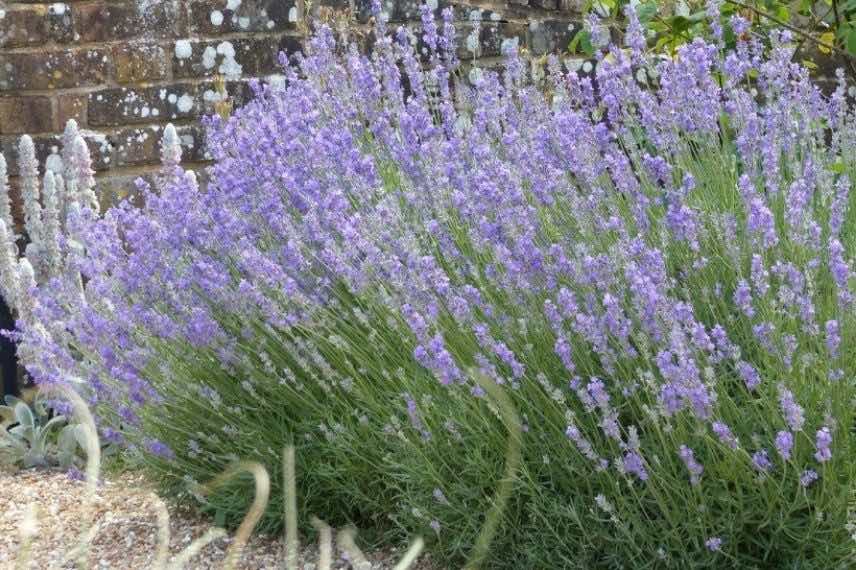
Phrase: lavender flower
(833, 338)
(792, 411)
(784, 444)
(599, 34)
(823, 441)
(159, 449)
(749, 375)
(743, 298)
(761, 461)
(634, 35)
(714, 544)
(634, 464)
(723, 432)
(808, 477)
(694, 467)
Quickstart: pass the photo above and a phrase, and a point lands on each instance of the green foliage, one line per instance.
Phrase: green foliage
(29, 437)
(827, 26)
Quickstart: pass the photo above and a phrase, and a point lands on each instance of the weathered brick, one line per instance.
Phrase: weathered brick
(551, 35)
(99, 149)
(490, 38)
(140, 62)
(25, 115)
(138, 146)
(143, 105)
(211, 17)
(54, 69)
(70, 107)
(468, 13)
(34, 25)
(101, 21)
(253, 56)
(545, 4)
(138, 105)
(397, 10)
(113, 189)
(576, 6)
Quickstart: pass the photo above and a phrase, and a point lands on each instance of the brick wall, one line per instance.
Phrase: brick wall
(124, 68)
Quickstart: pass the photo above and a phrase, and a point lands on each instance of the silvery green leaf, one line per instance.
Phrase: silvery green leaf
(11, 400)
(22, 432)
(68, 439)
(24, 415)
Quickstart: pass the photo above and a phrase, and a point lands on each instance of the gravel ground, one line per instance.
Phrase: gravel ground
(126, 536)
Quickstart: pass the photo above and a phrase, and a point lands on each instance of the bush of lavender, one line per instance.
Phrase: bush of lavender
(654, 267)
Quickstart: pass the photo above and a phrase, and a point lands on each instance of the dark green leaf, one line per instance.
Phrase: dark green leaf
(851, 41)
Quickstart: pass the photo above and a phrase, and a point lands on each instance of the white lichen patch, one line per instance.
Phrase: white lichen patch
(209, 57)
(183, 49)
(216, 18)
(229, 67)
(211, 96)
(185, 103)
(233, 4)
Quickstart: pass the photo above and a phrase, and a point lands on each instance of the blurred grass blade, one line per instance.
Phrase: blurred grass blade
(290, 487)
(325, 543)
(257, 509)
(512, 464)
(411, 555)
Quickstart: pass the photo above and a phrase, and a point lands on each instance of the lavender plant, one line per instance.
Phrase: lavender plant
(658, 275)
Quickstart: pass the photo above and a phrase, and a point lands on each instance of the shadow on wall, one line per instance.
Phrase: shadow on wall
(8, 361)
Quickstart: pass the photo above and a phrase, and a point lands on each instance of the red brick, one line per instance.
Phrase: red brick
(55, 69)
(20, 115)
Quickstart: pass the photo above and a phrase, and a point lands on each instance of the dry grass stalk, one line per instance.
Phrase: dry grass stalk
(79, 553)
